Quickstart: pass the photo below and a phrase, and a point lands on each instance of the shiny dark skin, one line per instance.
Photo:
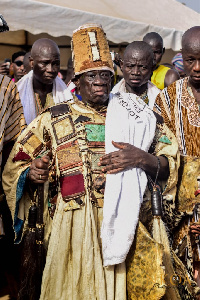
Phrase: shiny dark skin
(39, 166)
(94, 87)
(45, 62)
(191, 61)
(129, 156)
(137, 68)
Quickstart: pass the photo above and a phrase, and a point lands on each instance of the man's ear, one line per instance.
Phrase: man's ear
(121, 64)
(31, 62)
(11, 69)
(76, 81)
(163, 50)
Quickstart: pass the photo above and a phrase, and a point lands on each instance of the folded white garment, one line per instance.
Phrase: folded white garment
(25, 87)
(128, 120)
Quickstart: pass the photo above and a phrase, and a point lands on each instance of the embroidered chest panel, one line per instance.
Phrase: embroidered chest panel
(80, 144)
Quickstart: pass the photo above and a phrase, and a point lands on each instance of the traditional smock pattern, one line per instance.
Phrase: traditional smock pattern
(74, 134)
(180, 111)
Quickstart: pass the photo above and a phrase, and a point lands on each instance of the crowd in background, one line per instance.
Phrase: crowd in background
(33, 89)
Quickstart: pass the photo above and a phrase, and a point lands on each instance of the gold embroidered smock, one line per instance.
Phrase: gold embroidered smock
(74, 133)
(38, 105)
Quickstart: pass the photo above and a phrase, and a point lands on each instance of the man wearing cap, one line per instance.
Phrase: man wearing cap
(62, 148)
(177, 62)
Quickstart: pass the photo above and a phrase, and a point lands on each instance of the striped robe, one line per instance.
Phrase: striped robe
(12, 120)
(180, 111)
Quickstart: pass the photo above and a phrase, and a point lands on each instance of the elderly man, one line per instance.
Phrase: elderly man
(41, 87)
(162, 76)
(179, 106)
(73, 136)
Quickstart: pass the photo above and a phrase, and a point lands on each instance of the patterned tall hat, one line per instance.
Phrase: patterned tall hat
(90, 50)
(3, 24)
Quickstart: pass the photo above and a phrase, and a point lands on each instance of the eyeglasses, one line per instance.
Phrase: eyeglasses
(19, 63)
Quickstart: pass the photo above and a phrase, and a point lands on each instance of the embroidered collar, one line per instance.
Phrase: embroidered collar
(189, 102)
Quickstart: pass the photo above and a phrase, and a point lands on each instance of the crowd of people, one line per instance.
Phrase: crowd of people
(100, 174)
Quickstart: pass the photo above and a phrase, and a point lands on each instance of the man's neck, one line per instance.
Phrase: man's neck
(137, 90)
(39, 87)
(42, 89)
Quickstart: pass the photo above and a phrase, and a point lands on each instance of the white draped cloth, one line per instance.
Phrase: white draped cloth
(128, 120)
(25, 86)
(152, 91)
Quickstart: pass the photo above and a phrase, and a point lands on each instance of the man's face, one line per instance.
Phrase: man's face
(46, 65)
(158, 50)
(95, 87)
(191, 62)
(136, 68)
(18, 68)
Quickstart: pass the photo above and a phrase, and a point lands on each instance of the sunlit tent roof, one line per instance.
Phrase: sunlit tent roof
(123, 20)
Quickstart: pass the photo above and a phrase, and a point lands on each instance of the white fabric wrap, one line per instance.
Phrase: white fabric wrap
(25, 88)
(128, 120)
(152, 91)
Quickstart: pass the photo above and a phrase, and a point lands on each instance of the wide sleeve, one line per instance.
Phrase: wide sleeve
(30, 144)
(167, 146)
(164, 105)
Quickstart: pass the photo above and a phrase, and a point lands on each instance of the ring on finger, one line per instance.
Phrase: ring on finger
(40, 176)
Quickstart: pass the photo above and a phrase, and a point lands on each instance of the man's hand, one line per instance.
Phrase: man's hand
(195, 228)
(39, 171)
(127, 157)
(4, 69)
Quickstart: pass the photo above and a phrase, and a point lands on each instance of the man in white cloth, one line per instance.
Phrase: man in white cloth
(41, 87)
(131, 127)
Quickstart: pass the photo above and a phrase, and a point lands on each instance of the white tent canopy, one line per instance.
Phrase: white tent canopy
(123, 20)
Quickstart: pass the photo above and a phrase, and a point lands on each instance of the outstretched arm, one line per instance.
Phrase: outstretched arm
(128, 157)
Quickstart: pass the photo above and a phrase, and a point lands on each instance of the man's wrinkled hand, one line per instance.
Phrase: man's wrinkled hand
(39, 170)
(4, 69)
(127, 157)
